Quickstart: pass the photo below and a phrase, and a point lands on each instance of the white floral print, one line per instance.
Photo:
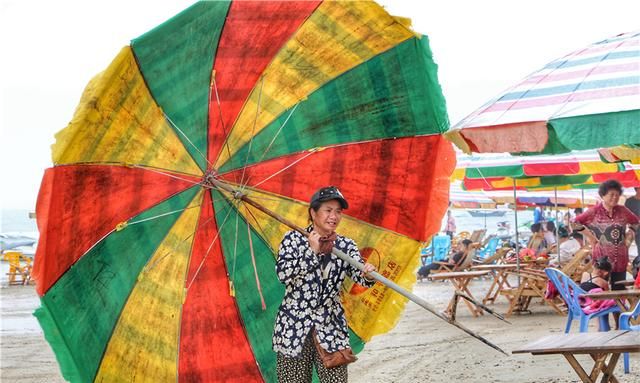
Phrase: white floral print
(310, 301)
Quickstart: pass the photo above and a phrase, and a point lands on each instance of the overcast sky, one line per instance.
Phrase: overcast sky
(51, 49)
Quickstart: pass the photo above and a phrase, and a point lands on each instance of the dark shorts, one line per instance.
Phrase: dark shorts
(616, 276)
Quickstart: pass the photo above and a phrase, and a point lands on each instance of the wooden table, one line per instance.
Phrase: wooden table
(620, 296)
(538, 263)
(626, 282)
(599, 345)
(460, 281)
(500, 279)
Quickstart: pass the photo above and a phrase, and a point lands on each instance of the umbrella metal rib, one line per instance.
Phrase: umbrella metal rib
(378, 277)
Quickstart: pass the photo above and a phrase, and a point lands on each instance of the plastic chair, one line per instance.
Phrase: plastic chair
(437, 249)
(19, 268)
(570, 291)
(489, 249)
(426, 253)
(625, 324)
(441, 246)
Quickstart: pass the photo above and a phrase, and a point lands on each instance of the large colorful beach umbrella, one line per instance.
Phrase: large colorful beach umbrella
(146, 270)
(588, 99)
(579, 169)
(629, 177)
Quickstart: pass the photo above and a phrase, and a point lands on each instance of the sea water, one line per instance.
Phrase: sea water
(466, 222)
(18, 231)
(17, 221)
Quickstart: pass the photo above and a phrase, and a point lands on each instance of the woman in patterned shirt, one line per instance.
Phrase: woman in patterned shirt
(313, 280)
(610, 230)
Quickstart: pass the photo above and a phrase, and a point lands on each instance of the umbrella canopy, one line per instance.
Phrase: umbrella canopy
(146, 269)
(461, 198)
(579, 169)
(567, 198)
(630, 177)
(621, 153)
(588, 99)
(546, 201)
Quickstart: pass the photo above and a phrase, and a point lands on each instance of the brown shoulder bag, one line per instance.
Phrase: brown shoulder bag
(333, 359)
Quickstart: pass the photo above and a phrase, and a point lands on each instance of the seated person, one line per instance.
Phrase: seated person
(455, 260)
(549, 232)
(569, 246)
(598, 278)
(537, 242)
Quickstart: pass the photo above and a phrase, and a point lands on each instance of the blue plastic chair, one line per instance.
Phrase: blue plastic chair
(570, 291)
(625, 324)
(437, 249)
(441, 245)
(489, 249)
(426, 254)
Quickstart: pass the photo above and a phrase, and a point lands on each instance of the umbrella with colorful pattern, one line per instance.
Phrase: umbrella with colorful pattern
(580, 169)
(588, 99)
(147, 270)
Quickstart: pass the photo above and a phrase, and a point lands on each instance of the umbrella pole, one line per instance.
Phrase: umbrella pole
(582, 201)
(555, 189)
(515, 208)
(422, 303)
(388, 283)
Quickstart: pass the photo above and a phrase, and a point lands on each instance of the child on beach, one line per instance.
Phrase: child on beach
(598, 278)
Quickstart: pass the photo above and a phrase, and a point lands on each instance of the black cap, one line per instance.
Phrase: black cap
(326, 194)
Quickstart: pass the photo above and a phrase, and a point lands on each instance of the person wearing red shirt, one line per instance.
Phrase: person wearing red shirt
(611, 228)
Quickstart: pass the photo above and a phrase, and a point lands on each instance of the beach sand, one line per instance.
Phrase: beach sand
(421, 348)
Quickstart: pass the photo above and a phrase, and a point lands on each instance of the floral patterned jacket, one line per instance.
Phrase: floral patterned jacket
(312, 294)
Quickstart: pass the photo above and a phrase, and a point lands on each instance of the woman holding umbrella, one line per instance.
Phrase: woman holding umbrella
(311, 328)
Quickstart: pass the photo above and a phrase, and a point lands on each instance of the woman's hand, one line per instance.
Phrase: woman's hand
(368, 268)
(314, 242)
(590, 236)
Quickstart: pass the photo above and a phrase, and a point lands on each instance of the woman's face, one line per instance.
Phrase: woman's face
(611, 198)
(327, 218)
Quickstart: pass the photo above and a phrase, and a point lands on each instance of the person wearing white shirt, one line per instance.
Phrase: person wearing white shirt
(549, 232)
(568, 249)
